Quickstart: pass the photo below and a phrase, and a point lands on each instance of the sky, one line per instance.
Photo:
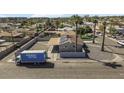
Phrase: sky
(52, 15)
(39, 8)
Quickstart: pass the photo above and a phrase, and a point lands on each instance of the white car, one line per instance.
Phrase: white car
(121, 42)
(2, 41)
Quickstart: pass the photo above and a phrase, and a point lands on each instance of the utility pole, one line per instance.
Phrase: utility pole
(12, 38)
(76, 37)
(103, 41)
(94, 31)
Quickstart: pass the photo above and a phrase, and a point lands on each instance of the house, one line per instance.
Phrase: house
(65, 46)
(2, 41)
(28, 32)
(9, 35)
(66, 29)
(120, 30)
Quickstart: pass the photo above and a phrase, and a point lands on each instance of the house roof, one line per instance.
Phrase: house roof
(63, 40)
(62, 32)
(54, 41)
(8, 34)
(79, 40)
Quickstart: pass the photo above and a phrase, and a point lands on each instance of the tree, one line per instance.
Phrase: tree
(112, 30)
(76, 20)
(95, 23)
(61, 25)
(39, 28)
(103, 41)
(48, 24)
(84, 30)
(57, 23)
(101, 28)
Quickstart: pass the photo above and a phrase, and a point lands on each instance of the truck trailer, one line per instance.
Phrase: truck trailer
(31, 56)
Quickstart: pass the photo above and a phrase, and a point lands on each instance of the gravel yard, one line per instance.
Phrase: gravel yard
(97, 54)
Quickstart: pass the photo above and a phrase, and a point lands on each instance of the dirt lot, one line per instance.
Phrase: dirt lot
(40, 46)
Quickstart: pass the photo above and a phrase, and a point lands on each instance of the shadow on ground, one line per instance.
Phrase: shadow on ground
(55, 49)
(113, 52)
(42, 65)
(113, 65)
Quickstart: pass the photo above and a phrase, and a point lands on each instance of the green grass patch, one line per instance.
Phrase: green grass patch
(87, 37)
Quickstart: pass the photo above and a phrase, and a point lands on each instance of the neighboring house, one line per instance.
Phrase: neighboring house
(88, 23)
(120, 30)
(2, 41)
(66, 29)
(17, 25)
(2, 25)
(27, 32)
(9, 35)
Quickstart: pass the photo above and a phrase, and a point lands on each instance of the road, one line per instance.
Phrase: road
(53, 70)
(62, 70)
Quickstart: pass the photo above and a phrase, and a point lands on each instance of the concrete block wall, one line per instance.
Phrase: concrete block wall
(72, 54)
(26, 46)
(23, 41)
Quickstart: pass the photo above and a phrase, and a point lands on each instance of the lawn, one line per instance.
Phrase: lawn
(87, 37)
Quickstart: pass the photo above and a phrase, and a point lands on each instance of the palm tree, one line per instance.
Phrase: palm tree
(95, 22)
(48, 24)
(57, 23)
(76, 20)
(103, 41)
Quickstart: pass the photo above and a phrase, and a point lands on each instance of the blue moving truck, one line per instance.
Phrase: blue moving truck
(31, 56)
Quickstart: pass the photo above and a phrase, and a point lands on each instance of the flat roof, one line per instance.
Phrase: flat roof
(33, 51)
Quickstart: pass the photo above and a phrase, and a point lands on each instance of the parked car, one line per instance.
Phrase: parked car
(121, 42)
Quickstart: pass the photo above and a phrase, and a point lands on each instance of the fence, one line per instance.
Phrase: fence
(23, 41)
(26, 46)
(7, 51)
